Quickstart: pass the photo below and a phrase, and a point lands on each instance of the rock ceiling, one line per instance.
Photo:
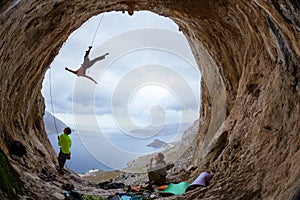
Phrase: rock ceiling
(248, 53)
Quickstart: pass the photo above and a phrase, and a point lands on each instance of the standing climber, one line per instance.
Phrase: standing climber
(87, 63)
(64, 142)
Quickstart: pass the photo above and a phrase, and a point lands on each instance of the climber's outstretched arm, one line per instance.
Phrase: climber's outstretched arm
(74, 72)
(90, 78)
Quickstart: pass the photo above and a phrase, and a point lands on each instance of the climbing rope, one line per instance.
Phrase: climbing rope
(96, 33)
(97, 30)
(51, 99)
(85, 24)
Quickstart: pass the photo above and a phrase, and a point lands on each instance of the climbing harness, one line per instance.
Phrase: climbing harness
(51, 99)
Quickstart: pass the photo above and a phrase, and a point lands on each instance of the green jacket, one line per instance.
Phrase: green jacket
(65, 143)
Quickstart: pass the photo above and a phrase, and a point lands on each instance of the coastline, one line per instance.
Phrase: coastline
(135, 172)
(98, 176)
(178, 153)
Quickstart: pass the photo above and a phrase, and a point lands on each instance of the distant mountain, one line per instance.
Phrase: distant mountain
(180, 152)
(167, 129)
(50, 124)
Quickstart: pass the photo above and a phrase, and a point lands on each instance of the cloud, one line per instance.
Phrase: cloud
(149, 77)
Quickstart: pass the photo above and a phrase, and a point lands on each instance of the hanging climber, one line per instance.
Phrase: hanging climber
(87, 63)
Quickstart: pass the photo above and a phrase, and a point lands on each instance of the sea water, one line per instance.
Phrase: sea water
(83, 160)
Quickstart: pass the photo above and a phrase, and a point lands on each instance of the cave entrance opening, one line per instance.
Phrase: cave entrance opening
(147, 96)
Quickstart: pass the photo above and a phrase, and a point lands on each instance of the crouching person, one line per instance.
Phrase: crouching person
(157, 171)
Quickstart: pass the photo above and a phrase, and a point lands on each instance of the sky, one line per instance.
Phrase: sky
(149, 79)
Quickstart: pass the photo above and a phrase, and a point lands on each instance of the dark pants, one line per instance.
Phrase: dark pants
(156, 178)
(75, 196)
(62, 159)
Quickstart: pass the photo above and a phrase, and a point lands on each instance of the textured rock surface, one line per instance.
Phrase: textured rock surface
(248, 53)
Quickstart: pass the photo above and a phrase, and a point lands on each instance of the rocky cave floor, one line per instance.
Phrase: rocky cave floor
(95, 185)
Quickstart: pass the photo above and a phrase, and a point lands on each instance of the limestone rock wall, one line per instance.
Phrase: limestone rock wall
(247, 51)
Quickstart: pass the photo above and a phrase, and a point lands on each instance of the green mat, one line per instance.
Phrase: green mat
(176, 188)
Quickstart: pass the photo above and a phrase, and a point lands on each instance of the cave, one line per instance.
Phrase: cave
(248, 54)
